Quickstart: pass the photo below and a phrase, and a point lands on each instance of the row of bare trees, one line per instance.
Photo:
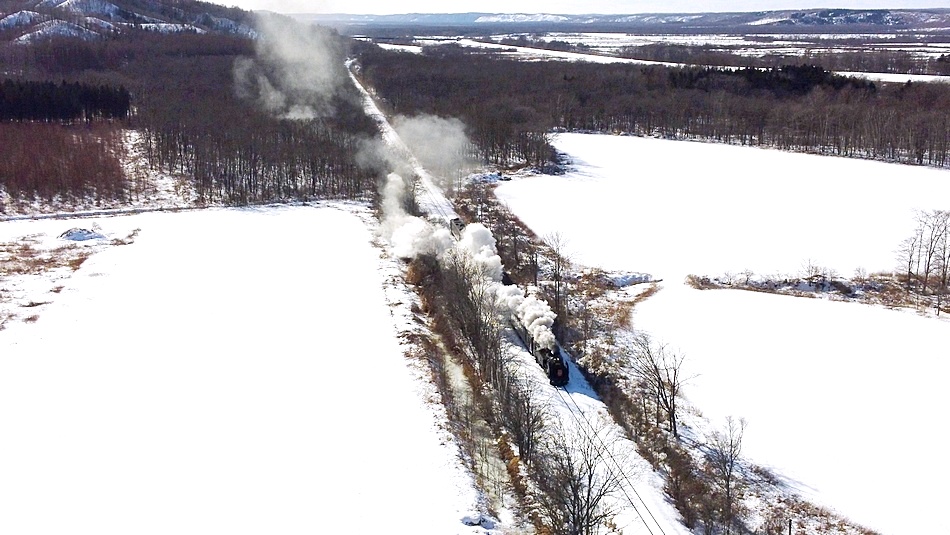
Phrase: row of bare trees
(194, 123)
(643, 384)
(50, 162)
(642, 388)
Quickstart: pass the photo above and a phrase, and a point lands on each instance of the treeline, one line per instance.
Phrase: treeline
(883, 61)
(195, 126)
(24, 100)
(59, 162)
(509, 106)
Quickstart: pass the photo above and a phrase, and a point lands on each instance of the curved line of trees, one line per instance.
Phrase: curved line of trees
(509, 106)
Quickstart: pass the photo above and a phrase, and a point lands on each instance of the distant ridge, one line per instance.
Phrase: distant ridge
(883, 19)
(26, 21)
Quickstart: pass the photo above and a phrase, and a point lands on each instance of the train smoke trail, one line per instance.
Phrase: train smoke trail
(439, 144)
(410, 236)
(510, 301)
(297, 71)
(479, 243)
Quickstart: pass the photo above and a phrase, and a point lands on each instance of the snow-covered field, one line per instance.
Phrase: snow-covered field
(843, 399)
(231, 371)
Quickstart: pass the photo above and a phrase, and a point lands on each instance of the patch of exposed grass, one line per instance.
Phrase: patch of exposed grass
(128, 239)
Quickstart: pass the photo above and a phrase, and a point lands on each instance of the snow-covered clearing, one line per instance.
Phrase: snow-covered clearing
(231, 371)
(843, 399)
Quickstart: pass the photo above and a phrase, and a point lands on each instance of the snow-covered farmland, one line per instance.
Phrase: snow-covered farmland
(231, 371)
(843, 399)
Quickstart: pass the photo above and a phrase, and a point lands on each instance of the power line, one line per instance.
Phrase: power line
(604, 450)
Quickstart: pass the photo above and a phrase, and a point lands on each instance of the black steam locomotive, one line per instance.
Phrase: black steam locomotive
(549, 359)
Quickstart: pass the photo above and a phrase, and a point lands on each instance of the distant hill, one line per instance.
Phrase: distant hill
(811, 19)
(24, 21)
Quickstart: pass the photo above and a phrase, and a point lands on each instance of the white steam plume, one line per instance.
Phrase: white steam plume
(439, 144)
(479, 243)
(410, 236)
(297, 71)
(537, 317)
(535, 314)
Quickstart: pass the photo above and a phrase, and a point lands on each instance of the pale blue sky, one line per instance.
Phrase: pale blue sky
(385, 7)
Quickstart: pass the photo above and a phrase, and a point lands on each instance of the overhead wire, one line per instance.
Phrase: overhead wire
(579, 415)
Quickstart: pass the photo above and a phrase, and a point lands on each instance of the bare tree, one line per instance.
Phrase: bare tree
(933, 225)
(907, 254)
(525, 416)
(576, 472)
(943, 259)
(560, 264)
(724, 452)
(469, 302)
(662, 372)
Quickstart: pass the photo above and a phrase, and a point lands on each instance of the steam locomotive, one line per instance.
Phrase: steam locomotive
(550, 360)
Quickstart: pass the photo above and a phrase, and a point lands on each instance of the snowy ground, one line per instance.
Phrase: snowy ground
(843, 399)
(231, 371)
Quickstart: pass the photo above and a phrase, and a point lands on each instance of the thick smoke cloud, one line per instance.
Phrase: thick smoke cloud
(510, 301)
(479, 243)
(297, 71)
(410, 236)
(440, 144)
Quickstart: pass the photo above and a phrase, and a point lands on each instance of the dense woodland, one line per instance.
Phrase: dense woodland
(193, 124)
(510, 105)
(47, 101)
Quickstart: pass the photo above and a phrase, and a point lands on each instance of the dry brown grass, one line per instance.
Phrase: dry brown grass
(25, 258)
(591, 284)
(646, 294)
(618, 313)
(700, 283)
(126, 240)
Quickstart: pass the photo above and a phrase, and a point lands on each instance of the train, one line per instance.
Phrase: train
(548, 358)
